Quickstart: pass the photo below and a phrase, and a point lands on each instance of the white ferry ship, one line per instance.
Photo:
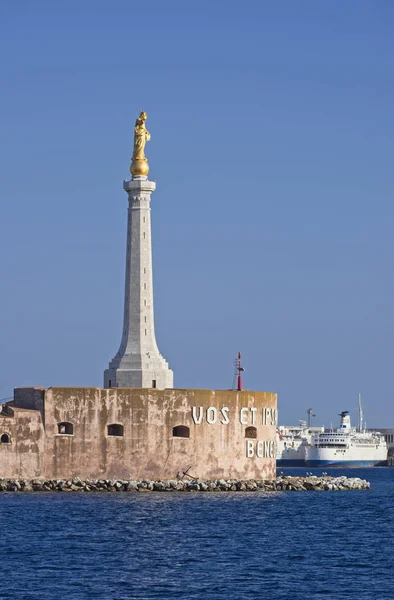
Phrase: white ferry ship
(292, 441)
(346, 446)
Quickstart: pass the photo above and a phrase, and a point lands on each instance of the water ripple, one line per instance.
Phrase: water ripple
(336, 545)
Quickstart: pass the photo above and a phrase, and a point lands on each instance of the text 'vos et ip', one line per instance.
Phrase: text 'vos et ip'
(246, 415)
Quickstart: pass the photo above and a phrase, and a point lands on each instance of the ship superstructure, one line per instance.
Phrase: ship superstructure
(346, 446)
(292, 441)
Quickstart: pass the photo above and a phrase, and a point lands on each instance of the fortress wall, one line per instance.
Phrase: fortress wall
(23, 456)
(217, 422)
(148, 448)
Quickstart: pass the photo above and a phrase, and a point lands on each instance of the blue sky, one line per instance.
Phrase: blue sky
(272, 149)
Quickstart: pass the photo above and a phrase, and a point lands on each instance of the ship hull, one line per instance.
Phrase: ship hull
(342, 463)
(352, 456)
(291, 462)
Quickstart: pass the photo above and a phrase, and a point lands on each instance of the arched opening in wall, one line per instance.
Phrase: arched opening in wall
(251, 432)
(65, 428)
(181, 431)
(5, 439)
(115, 429)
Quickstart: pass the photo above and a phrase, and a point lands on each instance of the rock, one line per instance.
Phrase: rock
(192, 486)
(132, 486)
(222, 485)
(293, 484)
(145, 485)
(308, 485)
(159, 486)
(251, 486)
(212, 487)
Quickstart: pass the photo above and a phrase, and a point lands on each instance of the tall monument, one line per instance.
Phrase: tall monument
(138, 362)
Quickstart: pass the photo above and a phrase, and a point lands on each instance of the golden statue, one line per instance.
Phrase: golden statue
(139, 164)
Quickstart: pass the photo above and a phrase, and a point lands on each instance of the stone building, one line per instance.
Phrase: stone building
(138, 433)
(138, 426)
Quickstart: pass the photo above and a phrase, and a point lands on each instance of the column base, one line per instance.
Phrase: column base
(136, 378)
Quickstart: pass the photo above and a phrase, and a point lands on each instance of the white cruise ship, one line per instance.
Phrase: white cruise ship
(292, 441)
(346, 446)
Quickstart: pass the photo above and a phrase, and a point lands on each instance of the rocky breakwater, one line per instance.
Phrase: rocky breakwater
(280, 484)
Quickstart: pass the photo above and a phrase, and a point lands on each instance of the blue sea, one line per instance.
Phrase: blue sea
(121, 546)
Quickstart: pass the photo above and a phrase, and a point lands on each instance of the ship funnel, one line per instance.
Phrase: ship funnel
(345, 420)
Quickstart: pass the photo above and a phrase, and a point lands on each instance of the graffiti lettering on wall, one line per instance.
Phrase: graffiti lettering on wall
(260, 449)
(246, 415)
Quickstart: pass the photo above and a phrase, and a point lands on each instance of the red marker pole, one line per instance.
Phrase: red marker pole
(239, 372)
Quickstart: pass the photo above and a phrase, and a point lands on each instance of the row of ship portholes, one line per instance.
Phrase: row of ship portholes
(115, 429)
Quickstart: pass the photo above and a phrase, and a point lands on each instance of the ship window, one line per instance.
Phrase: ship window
(65, 428)
(251, 432)
(115, 430)
(5, 439)
(181, 431)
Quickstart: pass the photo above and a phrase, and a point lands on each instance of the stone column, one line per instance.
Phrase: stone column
(138, 362)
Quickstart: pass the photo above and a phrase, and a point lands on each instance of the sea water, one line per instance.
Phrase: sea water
(230, 545)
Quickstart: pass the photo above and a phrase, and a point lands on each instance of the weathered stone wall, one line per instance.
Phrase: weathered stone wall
(23, 455)
(216, 446)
